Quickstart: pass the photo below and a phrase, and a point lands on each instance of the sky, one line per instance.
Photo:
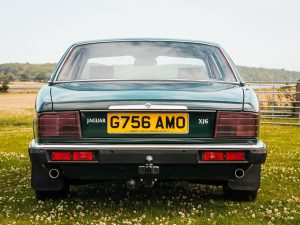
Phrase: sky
(260, 33)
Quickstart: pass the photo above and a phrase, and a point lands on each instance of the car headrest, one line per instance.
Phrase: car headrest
(191, 73)
(145, 62)
(101, 72)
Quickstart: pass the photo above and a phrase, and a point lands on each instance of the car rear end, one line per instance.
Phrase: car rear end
(147, 131)
(218, 147)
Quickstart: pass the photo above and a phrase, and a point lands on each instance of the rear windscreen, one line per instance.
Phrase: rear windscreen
(140, 60)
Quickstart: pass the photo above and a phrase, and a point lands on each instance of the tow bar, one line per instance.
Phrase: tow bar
(149, 171)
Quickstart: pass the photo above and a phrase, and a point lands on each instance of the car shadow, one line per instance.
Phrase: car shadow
(162, 192)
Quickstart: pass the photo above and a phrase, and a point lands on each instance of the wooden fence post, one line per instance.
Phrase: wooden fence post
(298, 99)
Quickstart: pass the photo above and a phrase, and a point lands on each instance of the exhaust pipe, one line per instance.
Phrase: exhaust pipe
(54, 173)
(239, 173)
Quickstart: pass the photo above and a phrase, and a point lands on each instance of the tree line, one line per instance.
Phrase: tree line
(263, 74)
(26, 72)
(41, 72)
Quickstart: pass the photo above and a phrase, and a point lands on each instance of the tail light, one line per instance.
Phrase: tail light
(237, 125)
(59, 124)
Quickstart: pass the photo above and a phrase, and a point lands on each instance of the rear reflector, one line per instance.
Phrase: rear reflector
(72, 156)
(61, 156)
(83, 156)
(236, 125)
(235, 156)
(223, 156)
(59, 124)
(213, 156)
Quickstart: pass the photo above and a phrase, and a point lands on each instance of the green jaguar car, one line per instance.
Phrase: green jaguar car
(142, 111)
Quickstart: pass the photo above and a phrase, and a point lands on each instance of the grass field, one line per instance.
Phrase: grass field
(278, 201)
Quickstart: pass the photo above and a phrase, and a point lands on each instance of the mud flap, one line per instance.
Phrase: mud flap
(40, 180)
(250, 182)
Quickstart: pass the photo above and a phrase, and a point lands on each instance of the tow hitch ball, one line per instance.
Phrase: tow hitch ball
(149, 170)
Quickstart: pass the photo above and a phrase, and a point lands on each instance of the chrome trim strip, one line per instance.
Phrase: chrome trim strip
(138, 80)
(192, 106)
(63, 63)
(191, 163)
(149, 110)
(236, 74)
(147, 106)
(258, 146)
(146, 40)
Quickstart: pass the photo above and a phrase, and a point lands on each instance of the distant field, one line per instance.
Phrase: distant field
(174, 203)
(25, 86)
(17, 108)
(17, 101)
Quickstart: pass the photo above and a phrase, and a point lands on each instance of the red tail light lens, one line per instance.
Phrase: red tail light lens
(223, 156)
(236, 124)
(235, 156)
(61, 156)
(59, 124)
(71, 156)
(83, 156)
(213, 156)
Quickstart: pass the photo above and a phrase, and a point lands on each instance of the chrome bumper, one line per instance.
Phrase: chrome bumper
(259, 146)
(162, 153)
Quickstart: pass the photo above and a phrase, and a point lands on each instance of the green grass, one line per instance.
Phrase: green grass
(173, 203)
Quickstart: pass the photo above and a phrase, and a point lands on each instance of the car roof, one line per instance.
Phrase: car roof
(145, 39)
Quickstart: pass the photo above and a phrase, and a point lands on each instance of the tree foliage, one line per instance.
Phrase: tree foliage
(26, 72)
(4, 87)
(41, 72)
(263, 74)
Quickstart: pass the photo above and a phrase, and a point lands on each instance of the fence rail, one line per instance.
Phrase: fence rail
(279, 101)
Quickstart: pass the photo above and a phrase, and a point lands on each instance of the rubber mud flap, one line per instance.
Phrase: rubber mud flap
(40, 180)
(250, 182)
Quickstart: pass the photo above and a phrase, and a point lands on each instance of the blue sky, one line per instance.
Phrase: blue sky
(263, 33)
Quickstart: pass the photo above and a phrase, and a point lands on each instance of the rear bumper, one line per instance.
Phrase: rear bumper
(126, 161)
(163, 154)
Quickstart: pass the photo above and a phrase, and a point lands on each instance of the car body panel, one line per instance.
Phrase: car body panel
(165, 153)
(250, 100)
(120, 156)
(83, 96)
(89, 98)
(99, 129)
(43, 100)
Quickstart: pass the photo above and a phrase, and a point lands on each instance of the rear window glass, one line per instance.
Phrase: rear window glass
(146, 61)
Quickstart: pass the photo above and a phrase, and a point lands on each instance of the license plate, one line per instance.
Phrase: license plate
(147, 123)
